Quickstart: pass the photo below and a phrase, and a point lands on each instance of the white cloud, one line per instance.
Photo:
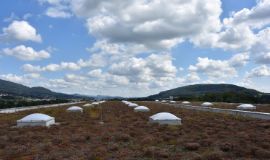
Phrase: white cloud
(117, 80)
(57, 12)
(192, 77)
(131, 36)
(256, 17)
(263, 58)
(22, 79)
(213, 68)
(261, 48)
(153, 67)
(239, 31)
(141, 22)
(12, 17)
(51, 67)
(237, 38)
(27, 16)
(20, 31)
(219, 69)
(239, 60)
(260, 71)
(26, 53)
(96, 73)
(30, 68)
(57, 9)
(12, 78)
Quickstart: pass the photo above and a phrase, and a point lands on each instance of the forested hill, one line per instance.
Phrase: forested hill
(215, 92)
(11, 88)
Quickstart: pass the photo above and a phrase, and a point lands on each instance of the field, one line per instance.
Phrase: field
(126, 135)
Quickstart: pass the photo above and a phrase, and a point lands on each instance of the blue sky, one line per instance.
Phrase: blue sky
(134, 48)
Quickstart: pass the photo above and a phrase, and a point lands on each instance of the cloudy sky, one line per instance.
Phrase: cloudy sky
(134, 47)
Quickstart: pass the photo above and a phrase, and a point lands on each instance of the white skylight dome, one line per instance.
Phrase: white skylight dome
(246, 107)
(36, 119)
(126, 102)
(87, 105)
(95, 103)
(185, 102)
(165, 118)
(207, 104)
(132, 105)
(75, 109)
(141, 109)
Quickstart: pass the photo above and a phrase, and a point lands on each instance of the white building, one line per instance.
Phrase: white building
(141, 109)
(36, 119)
(75, 109)
(165, 118)
(246, 107)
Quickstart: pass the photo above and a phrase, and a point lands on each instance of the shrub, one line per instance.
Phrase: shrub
(192, 146)
(213, 155)
(226, 147)
(122, 137)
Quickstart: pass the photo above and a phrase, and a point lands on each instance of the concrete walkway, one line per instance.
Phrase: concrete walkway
(18, 109)
(258, 115)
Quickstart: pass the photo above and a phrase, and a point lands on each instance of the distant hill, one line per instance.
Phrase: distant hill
(11, 88)
(214, 93)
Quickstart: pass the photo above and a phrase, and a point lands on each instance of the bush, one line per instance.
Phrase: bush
(192, 146)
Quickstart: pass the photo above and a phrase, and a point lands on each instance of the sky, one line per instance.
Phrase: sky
(134, 47)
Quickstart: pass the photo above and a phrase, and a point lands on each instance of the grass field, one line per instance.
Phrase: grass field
(126, 135)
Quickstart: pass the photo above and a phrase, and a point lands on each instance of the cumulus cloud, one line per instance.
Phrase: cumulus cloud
(260, 71)
(154, 67)
(242, 31)
(219, 69)
(213, 68)
(20, 31)
(261, 48)
(26, 53)
(237, 38)
(51, 67)
(131, 36)
(12, 78)
(22, 79)
(263, 58)
(239, 60)
(256, 17)
(96, 73)
(141, 22)
(57, 9)
(57, 12)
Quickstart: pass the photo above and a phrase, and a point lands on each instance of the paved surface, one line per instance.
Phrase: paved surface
(18, 109)
(258, 115)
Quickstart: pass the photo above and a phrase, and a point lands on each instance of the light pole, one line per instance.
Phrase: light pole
(101, 110)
